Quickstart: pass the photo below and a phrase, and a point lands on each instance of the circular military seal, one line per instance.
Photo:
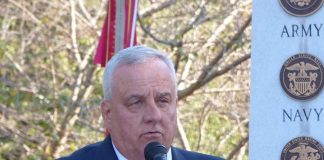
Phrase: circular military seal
(302, 148)
(301, 7)
(301, 76)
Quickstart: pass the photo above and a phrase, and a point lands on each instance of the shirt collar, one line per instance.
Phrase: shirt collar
(121, 157)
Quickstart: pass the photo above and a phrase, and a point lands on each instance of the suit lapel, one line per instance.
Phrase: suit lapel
(106, 151)
(176, 155)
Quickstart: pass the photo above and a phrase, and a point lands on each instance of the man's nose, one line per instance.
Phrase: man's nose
(152, 112)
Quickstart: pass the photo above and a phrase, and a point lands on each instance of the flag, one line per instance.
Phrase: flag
(118, 31)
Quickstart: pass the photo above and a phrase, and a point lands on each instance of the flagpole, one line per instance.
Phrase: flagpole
(134, 24)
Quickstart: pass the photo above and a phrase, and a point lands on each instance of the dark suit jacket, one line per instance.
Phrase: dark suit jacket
(105, 151)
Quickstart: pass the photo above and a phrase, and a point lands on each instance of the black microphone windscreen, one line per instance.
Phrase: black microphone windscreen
(155, 151)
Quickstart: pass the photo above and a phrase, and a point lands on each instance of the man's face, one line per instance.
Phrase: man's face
(142, 108)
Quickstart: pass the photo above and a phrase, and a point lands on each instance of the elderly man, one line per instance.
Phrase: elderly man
(139, 107)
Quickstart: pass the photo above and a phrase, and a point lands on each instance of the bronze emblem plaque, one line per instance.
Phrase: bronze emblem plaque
(301, 76)
(301, 7)
(303, 148)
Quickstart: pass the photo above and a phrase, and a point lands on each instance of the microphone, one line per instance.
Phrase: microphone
(155, 151)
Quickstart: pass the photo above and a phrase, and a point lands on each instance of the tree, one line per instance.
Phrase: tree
(51, 90)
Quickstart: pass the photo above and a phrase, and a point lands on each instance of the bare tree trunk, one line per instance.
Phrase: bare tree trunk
(183, 136)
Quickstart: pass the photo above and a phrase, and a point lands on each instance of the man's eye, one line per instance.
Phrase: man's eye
(163, 100)
(137, 102)
(135, 105)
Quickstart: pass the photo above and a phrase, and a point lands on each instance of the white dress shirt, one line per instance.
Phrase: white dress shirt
(121, 157)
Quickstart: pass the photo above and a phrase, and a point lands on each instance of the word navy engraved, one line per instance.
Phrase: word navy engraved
(302, 115)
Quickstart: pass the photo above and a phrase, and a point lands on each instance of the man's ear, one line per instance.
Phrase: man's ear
(106, 112)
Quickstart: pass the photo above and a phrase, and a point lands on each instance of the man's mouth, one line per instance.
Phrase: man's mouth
(152, 135)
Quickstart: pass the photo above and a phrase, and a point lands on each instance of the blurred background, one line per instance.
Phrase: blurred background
(50, 90)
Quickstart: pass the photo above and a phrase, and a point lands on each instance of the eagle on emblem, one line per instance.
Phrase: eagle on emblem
(302, 83)
(302, 67)
(300, 3)
(305, 153)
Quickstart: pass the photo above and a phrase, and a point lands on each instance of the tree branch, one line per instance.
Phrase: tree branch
(172, 43)
(207, 75)
(237, 148)
(73, 33)
(195, 20)
(155, 8)
(30, 14)
(183, 136)
(85, 12)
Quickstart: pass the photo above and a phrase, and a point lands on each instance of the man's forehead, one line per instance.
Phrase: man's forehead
(153, 74)
(155, 68)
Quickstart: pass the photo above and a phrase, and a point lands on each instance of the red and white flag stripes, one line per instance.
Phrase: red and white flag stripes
(118, 31)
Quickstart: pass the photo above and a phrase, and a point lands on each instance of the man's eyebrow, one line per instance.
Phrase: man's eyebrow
(163, 94)
(131, 96)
